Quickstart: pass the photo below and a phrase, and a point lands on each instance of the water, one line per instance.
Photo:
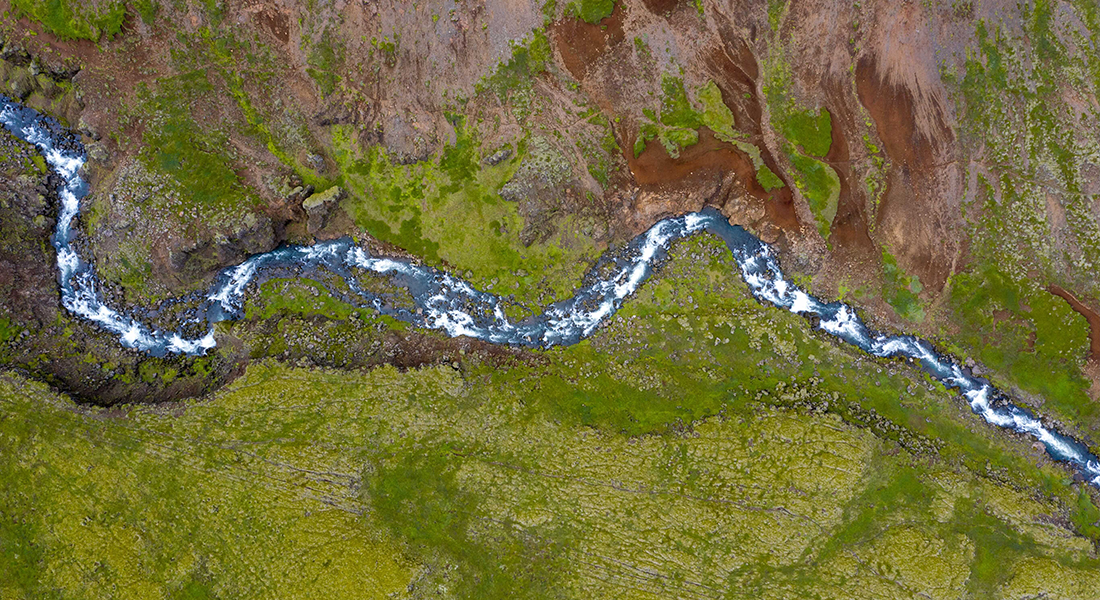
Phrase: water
(447, 303)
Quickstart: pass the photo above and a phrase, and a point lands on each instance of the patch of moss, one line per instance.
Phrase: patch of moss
(326, 61)
(812, 132)
(69, 20)
(513, 80)
(591, 11)
(901, 290)
(450, 209)
(820, 185)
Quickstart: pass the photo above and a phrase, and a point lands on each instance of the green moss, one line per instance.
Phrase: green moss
(900, 289)
(677, 123)
(326, 62)
(513, 80)
(147, 10)
(8, 329)
(74, 21)
(591, 11)
(421, 499)
(297, 296)
(449, 209)
(768, 179)
(813, 132)
(820, 185)
(776, 8)
(195, 156)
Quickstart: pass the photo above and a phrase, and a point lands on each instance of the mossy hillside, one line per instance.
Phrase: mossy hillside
(109, 509)
(449, 211)
(1030, 338)
(325, 60)
(512, 81)
(1030, 224)
(465, 487)
(901, 290)
(1016, 89)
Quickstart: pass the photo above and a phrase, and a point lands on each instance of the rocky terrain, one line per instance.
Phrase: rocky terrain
(935, 164)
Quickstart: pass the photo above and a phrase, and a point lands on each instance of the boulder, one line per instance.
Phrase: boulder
(21, 83)
(319, 206)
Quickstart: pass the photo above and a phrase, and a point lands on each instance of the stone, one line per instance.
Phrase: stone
(498, 157)
(256, 233)
(21, 83)
(319, 206)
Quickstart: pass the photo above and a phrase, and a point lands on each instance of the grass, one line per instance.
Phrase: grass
(591, 11)
(820, 185)
(74, 21)
(449, 210)
(900, 289)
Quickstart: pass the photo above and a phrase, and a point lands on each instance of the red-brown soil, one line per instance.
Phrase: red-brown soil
(702, 163)
(909, 211)
(581, 44)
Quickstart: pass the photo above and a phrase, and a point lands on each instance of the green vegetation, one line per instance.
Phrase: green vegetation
(591, 11)
(513, 81)
(678, 121)
(776, 8)
(195, 157)
(900, 289)
(449, 209)
(1016, 90)
(71, 20)
(808, 134)
(773, 463)
(813, 132)
(147, 10)
(820, 185)
(326, 61)
(1030, 338)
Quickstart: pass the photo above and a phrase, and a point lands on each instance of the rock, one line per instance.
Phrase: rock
(319, 206)
(316, 162)
(543, 172)
(498, 157)
(256, 233)
(49, 87)
(21, 83)
(97, 152)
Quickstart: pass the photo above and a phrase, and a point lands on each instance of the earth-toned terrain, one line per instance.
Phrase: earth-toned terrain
(935, 165)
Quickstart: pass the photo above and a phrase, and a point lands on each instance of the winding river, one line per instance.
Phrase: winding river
(447, 303)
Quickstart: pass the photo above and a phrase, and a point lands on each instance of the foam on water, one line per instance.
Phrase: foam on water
(449, 304)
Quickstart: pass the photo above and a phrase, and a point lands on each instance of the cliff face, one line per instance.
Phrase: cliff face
(902, 154)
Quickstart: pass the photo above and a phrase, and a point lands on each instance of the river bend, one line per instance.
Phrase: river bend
(446, 303)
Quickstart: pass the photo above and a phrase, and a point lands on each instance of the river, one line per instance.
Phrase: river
(446, 303)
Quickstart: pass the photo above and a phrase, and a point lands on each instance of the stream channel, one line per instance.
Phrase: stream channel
(449, 304)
